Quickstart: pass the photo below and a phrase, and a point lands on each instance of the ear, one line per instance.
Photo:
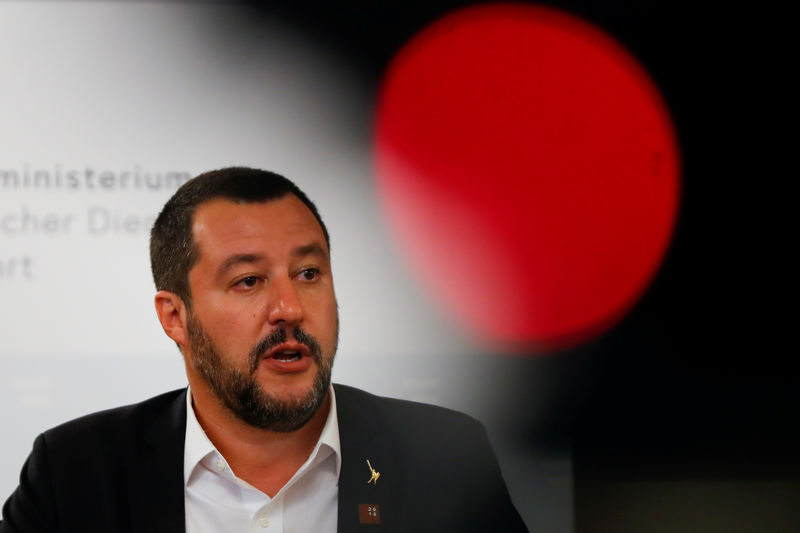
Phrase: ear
(171, 313)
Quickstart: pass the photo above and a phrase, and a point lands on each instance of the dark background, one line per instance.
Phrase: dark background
(684, 416)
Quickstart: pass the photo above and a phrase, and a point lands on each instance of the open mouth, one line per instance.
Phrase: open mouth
(288, 352)
(287, 356)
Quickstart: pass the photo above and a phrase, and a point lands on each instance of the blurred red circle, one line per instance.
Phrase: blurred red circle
(529, 169)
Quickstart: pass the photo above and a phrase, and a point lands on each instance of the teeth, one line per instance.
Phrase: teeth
(286, 356)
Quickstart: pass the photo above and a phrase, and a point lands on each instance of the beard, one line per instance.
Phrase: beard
(241, 394)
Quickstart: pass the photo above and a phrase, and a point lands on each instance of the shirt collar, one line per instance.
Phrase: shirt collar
(197, 445)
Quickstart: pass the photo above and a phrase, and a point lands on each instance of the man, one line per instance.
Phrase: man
(260, 441)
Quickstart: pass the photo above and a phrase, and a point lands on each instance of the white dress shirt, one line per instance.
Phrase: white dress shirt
(217, 501)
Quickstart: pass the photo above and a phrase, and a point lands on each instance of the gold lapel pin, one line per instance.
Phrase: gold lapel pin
(375, 474)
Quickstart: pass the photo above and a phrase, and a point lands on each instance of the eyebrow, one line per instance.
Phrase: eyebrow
(301, 251)
(310, 249)
(238, 259)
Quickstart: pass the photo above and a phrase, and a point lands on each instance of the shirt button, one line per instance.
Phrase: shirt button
(219, 465)
(263, 521)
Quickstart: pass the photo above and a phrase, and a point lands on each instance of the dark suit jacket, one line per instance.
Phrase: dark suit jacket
(122, 471)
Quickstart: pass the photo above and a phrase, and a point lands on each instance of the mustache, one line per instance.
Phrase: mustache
(278, 337)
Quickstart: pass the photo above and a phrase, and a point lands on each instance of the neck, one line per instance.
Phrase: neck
(265, 459)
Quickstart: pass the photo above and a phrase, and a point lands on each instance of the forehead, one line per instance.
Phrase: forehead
(224, 226)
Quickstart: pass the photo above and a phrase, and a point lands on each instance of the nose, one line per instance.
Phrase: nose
(284, 304)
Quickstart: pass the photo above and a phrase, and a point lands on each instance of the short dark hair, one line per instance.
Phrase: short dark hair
(173, 251)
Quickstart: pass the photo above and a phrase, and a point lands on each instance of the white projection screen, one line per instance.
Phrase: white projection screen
(105, 109)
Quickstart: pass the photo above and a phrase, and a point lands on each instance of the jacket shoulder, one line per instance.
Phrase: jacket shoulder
(77, 474)
(403, 412)
(413, 427)
(116, 424)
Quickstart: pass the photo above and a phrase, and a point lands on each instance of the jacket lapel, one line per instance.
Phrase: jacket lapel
(156, 473)
(362, 439)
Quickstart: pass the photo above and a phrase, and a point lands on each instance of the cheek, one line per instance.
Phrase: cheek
(334, 324)
(327, 319)
(332, 308)
(232, 328)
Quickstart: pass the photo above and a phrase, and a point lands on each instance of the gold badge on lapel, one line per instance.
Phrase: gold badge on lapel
(375, 474)
(369, 513)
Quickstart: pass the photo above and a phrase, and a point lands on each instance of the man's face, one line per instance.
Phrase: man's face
(263, 326)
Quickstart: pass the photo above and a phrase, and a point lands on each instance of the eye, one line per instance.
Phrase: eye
(247, 282)
(309, 274)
